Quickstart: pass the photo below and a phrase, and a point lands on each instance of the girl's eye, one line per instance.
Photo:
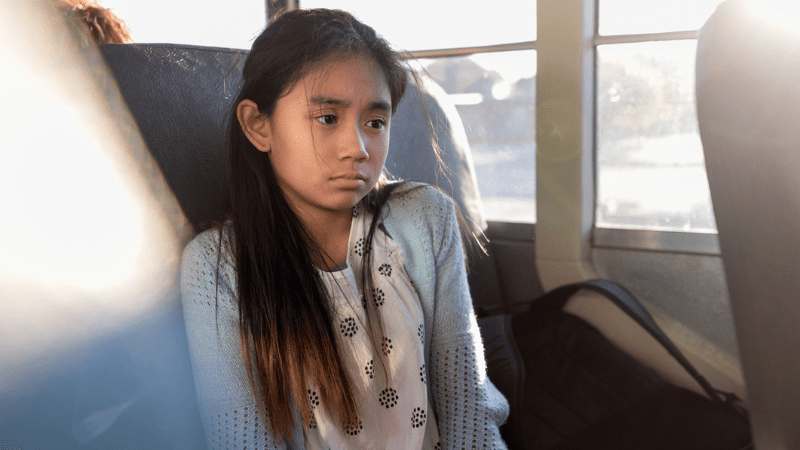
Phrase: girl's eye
(376, 123)
(328, 119)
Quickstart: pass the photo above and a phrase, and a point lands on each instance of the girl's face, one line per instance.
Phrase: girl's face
(329, 135)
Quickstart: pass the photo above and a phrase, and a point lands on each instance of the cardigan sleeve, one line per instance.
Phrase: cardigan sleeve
(469, 408)
(227, 406)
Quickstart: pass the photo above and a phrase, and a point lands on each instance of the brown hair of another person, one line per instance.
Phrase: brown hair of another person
(101, 25)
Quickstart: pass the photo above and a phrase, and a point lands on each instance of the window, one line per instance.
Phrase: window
(495, 95)
(650, 166)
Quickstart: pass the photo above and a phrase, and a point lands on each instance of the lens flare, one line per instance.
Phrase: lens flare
(86, 245)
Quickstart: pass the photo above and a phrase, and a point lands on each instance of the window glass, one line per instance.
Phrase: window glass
(233, 24)
(653, 16)
(425, 25)
(495, 95)
(650, 167)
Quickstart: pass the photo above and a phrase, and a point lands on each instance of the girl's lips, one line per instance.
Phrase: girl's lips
(350, 180)
(350, 176)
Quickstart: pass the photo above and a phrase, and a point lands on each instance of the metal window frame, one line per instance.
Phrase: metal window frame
(695, 242)
(647, 37)
(565, 116)
(466, 51)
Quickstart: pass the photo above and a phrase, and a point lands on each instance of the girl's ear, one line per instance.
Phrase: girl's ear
(255, 125)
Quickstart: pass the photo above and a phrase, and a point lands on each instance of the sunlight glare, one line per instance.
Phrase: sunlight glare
(783, 13)
(466, 99)
(87, 247)
(501, 90)
(74, 223)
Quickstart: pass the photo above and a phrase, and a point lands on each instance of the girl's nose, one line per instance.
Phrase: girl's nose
(353, 144)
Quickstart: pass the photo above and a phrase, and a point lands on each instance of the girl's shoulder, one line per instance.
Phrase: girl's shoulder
(417, 208)
(205, 247)
(419, 197)
(206, 263)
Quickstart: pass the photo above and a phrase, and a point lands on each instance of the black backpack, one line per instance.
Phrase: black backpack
(571, 388)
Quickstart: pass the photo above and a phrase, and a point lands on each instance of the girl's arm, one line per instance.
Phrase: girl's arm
(227, 405)
(469, 408)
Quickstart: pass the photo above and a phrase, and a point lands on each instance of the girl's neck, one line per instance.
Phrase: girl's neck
(331, 233)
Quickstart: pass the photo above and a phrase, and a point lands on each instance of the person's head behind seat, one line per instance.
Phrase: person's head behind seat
(101, 26)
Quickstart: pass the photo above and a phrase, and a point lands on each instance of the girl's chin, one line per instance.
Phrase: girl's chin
(347, 204)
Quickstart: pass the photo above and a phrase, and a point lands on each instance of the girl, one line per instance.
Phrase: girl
(332, 310)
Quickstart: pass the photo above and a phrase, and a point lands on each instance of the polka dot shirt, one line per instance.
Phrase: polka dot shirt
(381, 341)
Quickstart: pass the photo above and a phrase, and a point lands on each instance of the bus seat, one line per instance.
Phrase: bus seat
(180, 96)
(748, 107)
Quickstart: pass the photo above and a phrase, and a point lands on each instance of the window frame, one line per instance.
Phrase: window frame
(565, 124)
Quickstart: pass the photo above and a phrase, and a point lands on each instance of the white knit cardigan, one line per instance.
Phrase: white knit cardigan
(468, 408)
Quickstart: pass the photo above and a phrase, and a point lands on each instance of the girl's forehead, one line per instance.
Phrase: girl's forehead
(349, 76)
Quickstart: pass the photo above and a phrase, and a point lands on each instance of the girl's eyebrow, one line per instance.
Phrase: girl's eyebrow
(380, 105)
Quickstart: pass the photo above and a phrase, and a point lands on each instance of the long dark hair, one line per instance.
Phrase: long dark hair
(285, 316)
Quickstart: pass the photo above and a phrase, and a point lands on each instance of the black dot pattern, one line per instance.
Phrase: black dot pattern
(379, 297)
(386, 345)
(313, 423)
(353, 428)
(421, 333)
(418, 417)
(385, 270)
(438, 446)
(355, 211)
(360, 247)
(313, 398)
(348, 327)
(422, 374)
(369, 369)
(388, 398)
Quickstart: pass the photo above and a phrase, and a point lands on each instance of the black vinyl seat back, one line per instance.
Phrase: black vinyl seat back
(180, 96)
